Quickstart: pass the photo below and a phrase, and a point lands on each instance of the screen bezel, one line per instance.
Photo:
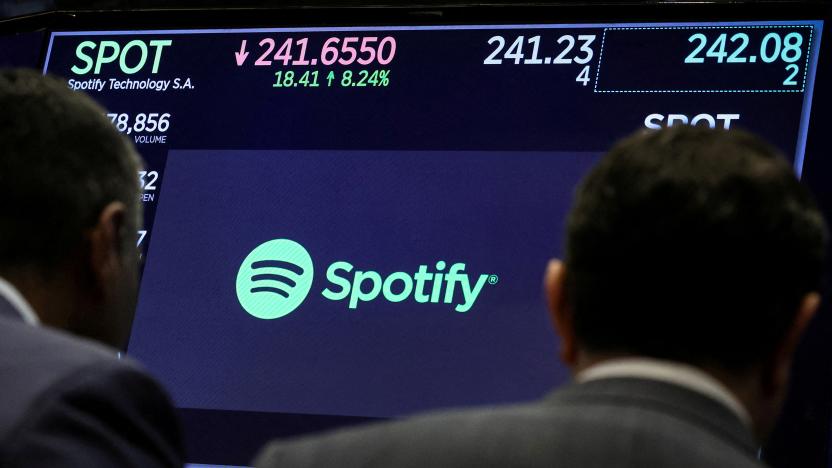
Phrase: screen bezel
(803, 436)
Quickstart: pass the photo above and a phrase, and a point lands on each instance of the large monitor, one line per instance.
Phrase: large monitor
(347, 215)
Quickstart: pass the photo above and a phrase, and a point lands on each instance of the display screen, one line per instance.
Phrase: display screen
(352, 223)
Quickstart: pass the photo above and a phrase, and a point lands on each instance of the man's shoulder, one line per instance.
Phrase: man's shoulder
(586, 432)
(68, 402)
(37, 361)
(17, 333)
(39, 350)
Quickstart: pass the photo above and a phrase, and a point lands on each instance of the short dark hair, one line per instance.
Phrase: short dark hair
(691, 244)
(61, 162)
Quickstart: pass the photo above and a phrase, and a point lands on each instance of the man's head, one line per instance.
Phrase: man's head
(692, 245)
(70, 207)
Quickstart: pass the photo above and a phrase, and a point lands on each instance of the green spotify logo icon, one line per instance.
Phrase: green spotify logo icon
(274, 279)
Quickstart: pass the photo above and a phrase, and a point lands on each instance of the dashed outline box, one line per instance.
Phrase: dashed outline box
(695, 91)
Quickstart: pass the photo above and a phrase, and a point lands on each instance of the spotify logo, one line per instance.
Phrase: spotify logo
(274, 279)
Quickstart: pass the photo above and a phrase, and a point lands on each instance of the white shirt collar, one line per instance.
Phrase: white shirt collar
(13, 296)
(671, 372)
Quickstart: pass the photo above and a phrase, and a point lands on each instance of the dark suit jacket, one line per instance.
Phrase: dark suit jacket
(66, 402)
(609, 423)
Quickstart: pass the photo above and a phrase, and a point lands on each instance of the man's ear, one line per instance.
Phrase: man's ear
(782, 361)
(105, 244)
(560, 312)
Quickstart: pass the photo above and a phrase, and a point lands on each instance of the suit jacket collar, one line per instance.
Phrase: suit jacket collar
(14, 305)
(667, 398)
(675, 373)
(7, 310)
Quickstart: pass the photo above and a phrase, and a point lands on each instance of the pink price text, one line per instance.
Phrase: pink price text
(335, 50)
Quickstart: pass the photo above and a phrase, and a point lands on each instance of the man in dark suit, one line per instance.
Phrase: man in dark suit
(69, 212)
(693, 258)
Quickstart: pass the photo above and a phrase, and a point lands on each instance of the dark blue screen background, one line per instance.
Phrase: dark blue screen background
(498, 212)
